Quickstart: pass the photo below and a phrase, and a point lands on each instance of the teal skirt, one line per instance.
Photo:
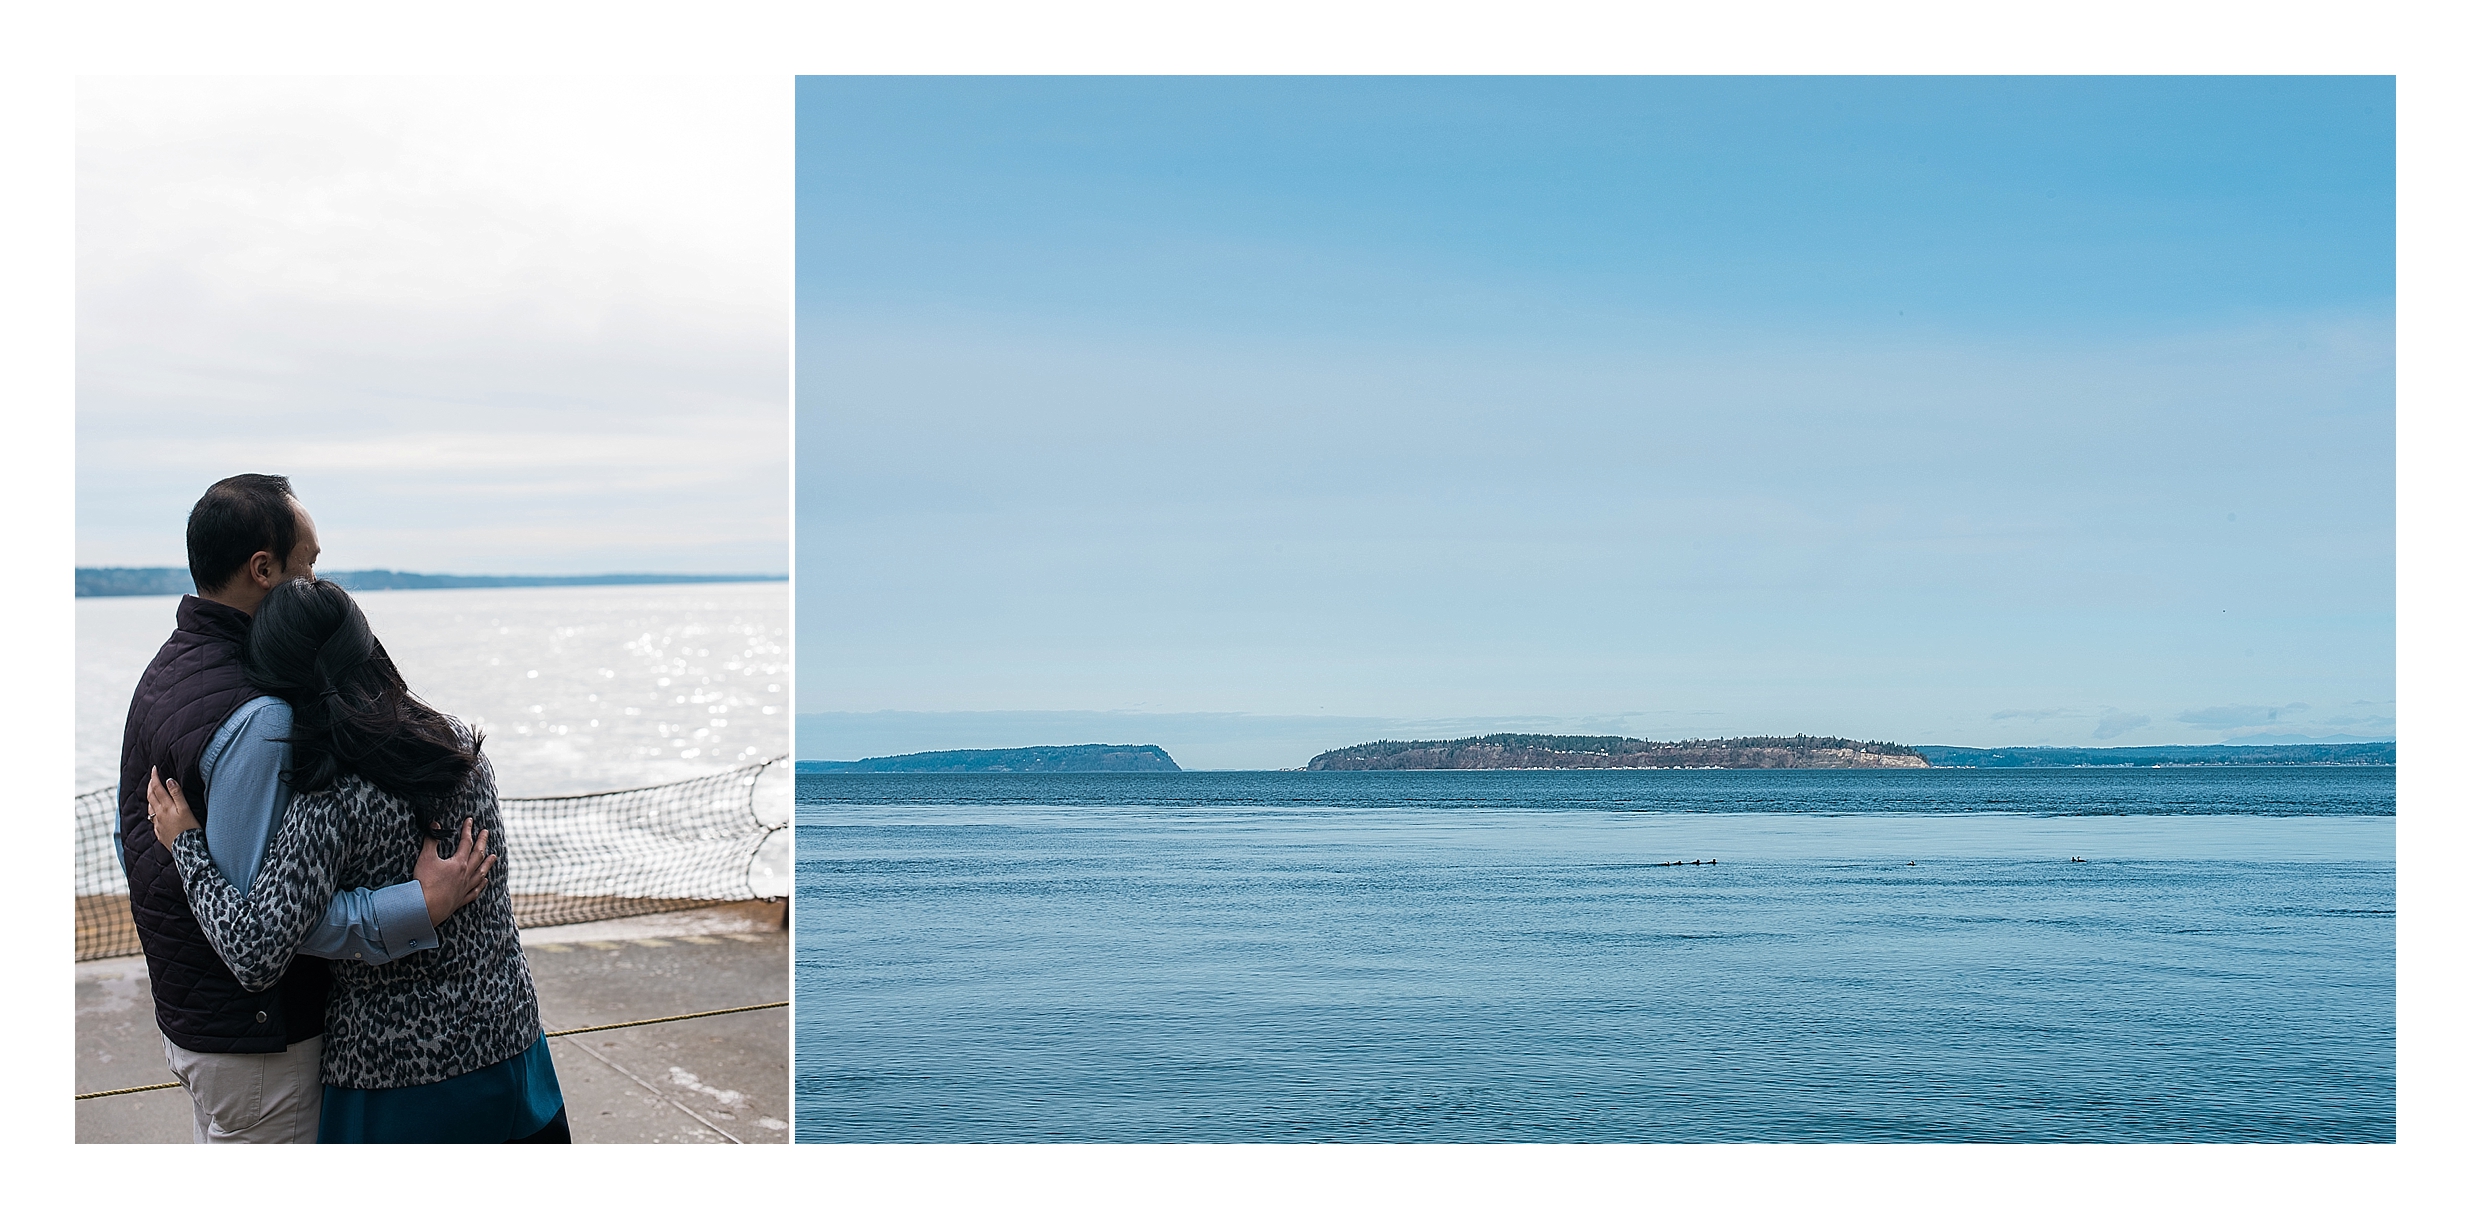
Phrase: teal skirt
(496, 1104)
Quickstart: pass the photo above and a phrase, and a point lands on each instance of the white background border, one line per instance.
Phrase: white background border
(47, 49)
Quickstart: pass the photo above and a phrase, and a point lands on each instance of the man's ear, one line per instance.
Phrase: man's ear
(262, 569)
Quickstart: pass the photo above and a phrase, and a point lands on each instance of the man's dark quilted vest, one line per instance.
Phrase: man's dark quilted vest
(192, 686)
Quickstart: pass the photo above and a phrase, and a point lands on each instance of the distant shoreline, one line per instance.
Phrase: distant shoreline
(1033, 759)
(1508, 752)
(172, 581)
(2060, 757)
(1545, 751)
(1527, 751)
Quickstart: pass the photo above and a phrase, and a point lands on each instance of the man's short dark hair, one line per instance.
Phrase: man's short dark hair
(236, 518)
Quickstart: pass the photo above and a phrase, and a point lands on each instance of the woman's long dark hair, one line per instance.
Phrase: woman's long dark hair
(352, 714)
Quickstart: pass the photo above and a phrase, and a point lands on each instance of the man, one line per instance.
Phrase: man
(249, 1060)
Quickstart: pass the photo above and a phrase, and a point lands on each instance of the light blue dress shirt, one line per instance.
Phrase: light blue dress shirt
(243, 766)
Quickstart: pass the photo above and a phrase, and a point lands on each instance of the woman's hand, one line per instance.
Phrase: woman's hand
(446, 884)
(167, 808)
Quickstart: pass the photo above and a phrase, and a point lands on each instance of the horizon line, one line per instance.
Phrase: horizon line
(1971, 748)
(102, 582)
(403, 571)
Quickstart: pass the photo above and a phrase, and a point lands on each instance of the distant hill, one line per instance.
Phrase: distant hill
(168, 581)
(1037, 760)
(1531, 751)
(2372, 753)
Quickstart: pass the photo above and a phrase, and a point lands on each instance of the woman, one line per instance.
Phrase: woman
(441, 1046)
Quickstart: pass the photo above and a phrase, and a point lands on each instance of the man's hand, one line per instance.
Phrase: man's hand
(446, 884)
(167, 808)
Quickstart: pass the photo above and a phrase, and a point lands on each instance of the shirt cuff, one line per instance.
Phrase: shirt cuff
(403, 918)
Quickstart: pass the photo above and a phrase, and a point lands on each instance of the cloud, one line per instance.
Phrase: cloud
(2301, 738)
(484, 324)
(2114, 723)
(2368, 716)
(2110, 722)
(2380, 723)
(2243, 716)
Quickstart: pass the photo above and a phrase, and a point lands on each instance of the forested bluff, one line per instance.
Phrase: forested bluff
(1533, 751)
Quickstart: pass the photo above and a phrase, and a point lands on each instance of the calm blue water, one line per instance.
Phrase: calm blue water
(1492, 956)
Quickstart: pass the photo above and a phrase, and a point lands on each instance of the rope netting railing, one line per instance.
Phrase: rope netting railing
(103, 925)
(569, 859)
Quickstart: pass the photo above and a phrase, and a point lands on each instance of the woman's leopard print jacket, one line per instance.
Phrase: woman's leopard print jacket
(421, 1018)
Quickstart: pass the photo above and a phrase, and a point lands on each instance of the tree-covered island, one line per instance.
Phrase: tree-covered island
(1534, 751)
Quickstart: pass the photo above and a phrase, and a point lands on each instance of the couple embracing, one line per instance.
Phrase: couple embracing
(329, 936)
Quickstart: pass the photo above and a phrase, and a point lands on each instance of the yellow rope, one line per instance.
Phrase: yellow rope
(628, 1024)
(589, 1028)
(125, 1091)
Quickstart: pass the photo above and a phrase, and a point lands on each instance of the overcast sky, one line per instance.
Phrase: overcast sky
(1958, 411)
(486, 326)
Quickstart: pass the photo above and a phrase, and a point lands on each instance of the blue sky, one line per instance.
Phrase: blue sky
(1253, 412)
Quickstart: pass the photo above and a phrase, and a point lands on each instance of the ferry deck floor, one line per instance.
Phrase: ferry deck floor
(709, 1080)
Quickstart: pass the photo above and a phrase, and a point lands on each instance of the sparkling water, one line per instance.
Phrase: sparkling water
(578, 689)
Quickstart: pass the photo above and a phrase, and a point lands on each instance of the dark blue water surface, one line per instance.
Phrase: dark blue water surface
(1487, 956)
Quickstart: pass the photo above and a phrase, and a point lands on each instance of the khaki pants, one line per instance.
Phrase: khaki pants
(252, 1098)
